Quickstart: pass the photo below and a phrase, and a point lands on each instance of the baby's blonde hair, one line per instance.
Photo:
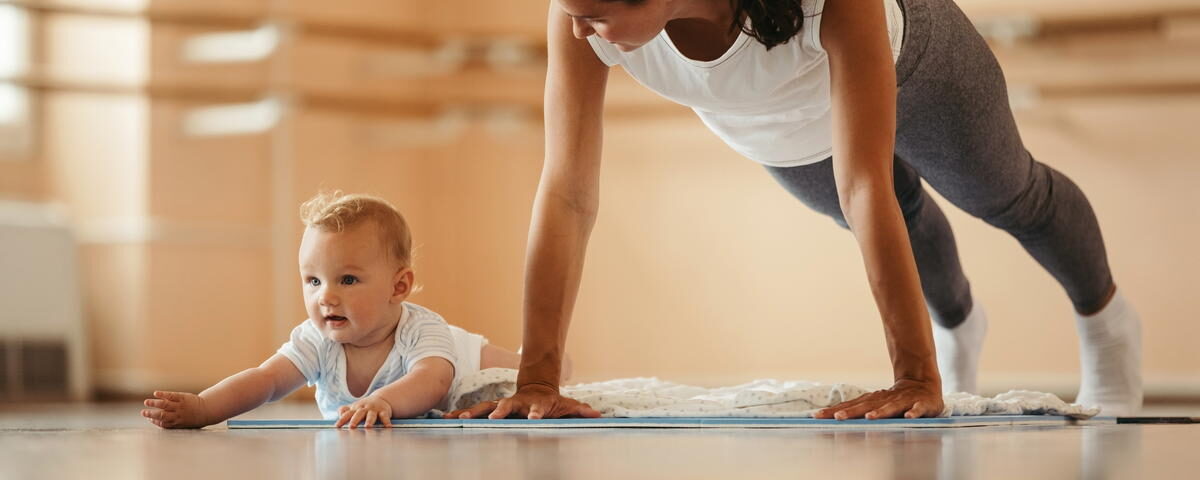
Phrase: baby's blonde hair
(336, 211)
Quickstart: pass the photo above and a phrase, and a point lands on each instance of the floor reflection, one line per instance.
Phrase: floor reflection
(1094, 452)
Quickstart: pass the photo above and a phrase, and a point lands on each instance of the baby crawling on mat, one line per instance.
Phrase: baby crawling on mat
(372, 355)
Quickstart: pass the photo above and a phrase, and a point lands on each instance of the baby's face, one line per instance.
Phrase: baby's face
(350, 284)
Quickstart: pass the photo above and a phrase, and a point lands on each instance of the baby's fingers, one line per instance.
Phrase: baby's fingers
(345, 417)
(358, 417)
(387, 420)
(163, 404)
(172, 396)
(371, 417)
(160, 418)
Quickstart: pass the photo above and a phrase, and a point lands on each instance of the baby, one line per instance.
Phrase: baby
(371, 355)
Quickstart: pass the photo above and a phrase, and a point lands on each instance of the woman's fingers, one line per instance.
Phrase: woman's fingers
(848, 408)
(908, 398)
(535, 412)
(855, 411)
(503, 408)
(532, 406)
(584, 410)
(923, 409)
(477, 410)
(888, 410)
(831, 412)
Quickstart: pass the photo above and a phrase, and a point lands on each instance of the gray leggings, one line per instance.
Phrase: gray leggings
(955, 130)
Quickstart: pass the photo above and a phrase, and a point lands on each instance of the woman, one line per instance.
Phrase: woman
(848, 104)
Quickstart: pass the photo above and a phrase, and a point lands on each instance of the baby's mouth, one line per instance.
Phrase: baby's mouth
(335, 321)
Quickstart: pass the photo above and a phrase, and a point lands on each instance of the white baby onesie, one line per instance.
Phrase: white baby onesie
(421, 334)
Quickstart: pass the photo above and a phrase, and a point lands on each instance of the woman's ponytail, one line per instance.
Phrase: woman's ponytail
(772, 22)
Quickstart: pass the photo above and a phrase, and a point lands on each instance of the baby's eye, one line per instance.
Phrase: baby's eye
(314, 281)
(349, 280)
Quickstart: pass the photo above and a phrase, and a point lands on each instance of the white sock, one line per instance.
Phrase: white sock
(958, 351)
(1110, 357)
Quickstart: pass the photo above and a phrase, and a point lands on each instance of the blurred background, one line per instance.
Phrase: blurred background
(153, 154)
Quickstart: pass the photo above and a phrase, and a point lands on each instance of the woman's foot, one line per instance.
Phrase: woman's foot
(958, 351)
(1110, 357)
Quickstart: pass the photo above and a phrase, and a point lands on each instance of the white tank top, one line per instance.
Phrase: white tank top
(770, 106)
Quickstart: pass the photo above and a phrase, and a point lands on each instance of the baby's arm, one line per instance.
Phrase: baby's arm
(417, 392)
(240, 393)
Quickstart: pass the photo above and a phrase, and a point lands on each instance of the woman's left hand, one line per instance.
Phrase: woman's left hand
(365, 411)
(910, 398)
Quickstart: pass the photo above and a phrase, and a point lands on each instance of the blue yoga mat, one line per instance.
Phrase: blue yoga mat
(701, 422)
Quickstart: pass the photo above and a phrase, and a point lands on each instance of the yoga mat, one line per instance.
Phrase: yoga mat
(701, 422)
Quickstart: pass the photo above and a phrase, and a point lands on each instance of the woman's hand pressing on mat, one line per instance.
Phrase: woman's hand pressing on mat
(365, 411)
(907, 398)
(176, 410)
(531, 401)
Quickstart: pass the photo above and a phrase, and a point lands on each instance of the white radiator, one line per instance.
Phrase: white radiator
(42, 339)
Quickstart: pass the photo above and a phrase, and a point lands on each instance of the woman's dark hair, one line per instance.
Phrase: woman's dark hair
(772, 22)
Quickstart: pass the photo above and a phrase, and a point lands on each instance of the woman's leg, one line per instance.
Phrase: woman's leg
(955, 127)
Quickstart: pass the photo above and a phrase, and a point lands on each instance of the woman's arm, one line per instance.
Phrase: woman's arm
(564, 212)
(233, 396)
(863, 91)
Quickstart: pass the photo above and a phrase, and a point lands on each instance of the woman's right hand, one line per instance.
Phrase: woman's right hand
(532, 402)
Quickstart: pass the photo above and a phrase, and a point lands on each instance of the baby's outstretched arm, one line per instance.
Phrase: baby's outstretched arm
(417, 392)
(240, 393)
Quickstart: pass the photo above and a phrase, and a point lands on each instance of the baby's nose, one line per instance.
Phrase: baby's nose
(328, 299)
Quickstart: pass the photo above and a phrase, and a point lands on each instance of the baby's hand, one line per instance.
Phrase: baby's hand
(365, 411)
(176, 410)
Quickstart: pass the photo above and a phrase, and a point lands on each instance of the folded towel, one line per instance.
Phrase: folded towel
(651, 397)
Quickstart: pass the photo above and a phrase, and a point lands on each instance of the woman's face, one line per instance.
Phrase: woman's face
(626, 26)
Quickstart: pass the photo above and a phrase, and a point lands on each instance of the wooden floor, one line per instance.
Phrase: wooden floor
(111, 441)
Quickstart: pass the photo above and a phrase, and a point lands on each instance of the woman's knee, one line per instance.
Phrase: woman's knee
(1031, 209)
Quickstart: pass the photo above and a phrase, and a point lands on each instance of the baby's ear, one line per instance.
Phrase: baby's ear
(402, 284)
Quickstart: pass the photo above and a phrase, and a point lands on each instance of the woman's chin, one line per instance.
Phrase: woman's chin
(626, 48)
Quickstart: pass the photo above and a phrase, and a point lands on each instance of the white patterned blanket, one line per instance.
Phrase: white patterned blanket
(651, 397)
